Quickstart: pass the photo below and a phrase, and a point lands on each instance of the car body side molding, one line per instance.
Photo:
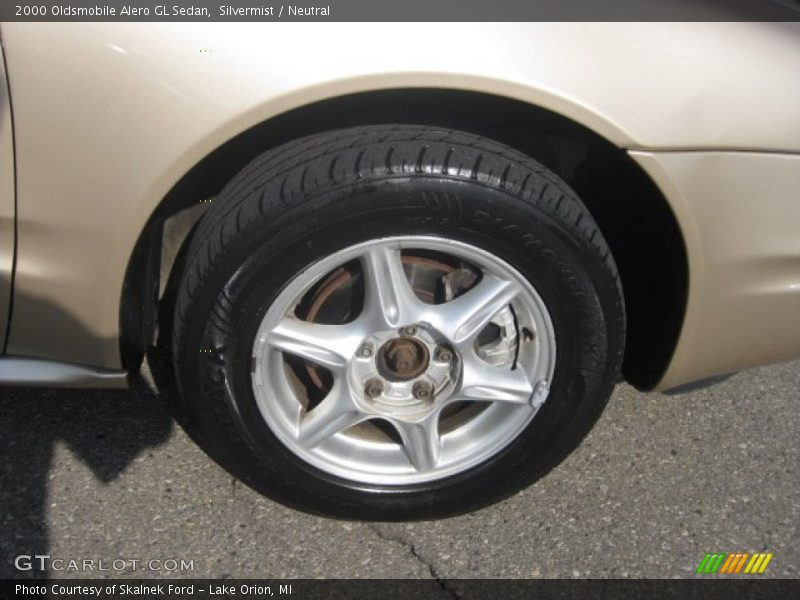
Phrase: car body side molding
(20, 371)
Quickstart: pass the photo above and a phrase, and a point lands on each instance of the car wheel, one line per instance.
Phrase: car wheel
(394, 322)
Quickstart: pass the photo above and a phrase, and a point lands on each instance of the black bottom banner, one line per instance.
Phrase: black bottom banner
(391, 589)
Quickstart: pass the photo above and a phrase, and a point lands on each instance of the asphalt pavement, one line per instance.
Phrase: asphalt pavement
(661, 480)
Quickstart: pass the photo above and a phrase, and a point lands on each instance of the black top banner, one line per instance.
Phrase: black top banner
(401, 10)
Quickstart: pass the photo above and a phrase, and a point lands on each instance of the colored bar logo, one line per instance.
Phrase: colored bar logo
(734, 563)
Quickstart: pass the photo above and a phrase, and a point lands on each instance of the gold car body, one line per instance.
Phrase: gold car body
(107, 118)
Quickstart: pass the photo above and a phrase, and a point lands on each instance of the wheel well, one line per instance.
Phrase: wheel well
(633, 215)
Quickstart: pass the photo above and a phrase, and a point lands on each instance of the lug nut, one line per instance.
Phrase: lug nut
(365, 351)
(443, 354)
(408, 330)
(373, 388)
(422, 390)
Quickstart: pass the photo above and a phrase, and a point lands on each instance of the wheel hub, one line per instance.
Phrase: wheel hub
(403, 358)
(406, 378)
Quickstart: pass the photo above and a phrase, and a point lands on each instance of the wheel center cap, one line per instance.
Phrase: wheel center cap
(402, 359)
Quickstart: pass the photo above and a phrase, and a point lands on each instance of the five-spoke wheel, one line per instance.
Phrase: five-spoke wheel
(418, 366)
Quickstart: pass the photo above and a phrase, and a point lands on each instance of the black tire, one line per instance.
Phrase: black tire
(301, 201)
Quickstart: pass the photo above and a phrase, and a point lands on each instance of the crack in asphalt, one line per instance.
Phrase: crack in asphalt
(412, 548)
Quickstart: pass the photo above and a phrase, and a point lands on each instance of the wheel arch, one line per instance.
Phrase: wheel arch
(633, 214)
